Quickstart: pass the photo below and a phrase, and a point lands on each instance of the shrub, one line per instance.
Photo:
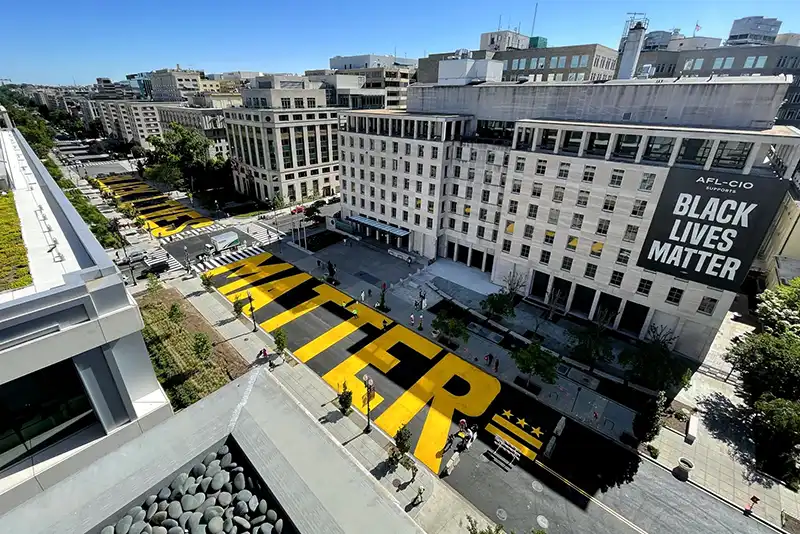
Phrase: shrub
(201, 346)
(14, 269)
(206, 281)
(652, 450)
(402, 439)
(280, 340)
(345, 399)
(238, 307)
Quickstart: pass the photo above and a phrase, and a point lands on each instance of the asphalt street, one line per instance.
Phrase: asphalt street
(618, 492)
(196, 245)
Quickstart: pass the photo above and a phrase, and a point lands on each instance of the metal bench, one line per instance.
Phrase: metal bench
(503, 445)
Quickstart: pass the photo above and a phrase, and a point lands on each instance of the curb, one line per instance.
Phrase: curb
(730, 503)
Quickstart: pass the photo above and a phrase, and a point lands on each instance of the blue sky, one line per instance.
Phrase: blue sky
(53, 41)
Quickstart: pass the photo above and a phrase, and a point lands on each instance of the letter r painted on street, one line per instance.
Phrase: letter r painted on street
(483, 388)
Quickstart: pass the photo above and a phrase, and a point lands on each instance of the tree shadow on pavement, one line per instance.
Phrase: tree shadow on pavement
(728, 423)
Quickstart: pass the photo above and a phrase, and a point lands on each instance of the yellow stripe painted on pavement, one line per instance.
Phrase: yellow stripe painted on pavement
(516, 431)
(245, 281)
(602, 505)
(326, 294)
(266, 293)
(525, 451)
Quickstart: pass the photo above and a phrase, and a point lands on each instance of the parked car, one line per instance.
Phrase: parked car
(156, 268)
(133, 257)
(298, 209)
(334, 200)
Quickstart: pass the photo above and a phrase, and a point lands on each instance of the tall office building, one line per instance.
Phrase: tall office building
(76, 380)
(283, 142)
(394, 74)
(129, 120)
(608, 198)
(209, 122)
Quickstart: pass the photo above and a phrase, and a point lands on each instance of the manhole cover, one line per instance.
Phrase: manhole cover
(396, 482)
(543, 522)
(501, 514)
(537, 486)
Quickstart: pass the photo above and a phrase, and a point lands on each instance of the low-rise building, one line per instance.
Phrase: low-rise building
(604, 203)
(348, 90)
(76, 381)
(283, 142)
(177, 85)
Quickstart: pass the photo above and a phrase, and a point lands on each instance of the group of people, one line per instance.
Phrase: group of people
(466, 435)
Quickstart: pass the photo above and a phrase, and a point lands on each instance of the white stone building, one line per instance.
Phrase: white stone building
(284, 140)
(130, 120)
(210, 122)
(568, 202)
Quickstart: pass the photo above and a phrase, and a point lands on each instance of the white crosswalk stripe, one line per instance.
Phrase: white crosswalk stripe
(263, 235)
(191, 232)
(160, 254)
(224, 259)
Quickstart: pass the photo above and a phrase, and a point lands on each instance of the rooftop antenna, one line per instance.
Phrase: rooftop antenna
(535, 10)
(500, 23)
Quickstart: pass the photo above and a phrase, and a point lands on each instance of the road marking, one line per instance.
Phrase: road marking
(516, 444)
(602, 505)
(326, 294)
(537, 444)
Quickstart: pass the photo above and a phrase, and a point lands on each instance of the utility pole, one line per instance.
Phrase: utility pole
(370, 385)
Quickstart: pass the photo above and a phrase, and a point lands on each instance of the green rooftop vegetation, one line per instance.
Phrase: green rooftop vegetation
(14, 269)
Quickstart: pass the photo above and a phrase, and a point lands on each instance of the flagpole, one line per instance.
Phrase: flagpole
(696, 24)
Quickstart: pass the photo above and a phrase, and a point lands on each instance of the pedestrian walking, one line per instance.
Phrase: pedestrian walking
(345, 242)
(362, 295)
(420, 327)
(412, 319)
(385, 324)
(369, 292)
(424, 303)
(486, 360)
(491, 358)
(496, 364)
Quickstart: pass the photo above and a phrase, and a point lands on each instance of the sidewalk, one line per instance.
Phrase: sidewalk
(722, 454)
(442, 509)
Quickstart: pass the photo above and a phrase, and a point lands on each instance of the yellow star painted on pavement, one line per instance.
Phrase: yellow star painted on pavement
(522, 423)
(537, 431)
(507, 414)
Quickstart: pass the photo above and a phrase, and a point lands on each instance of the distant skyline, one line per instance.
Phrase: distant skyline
(56, 43)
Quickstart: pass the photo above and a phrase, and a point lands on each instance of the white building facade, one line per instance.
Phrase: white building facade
(129, 120)
(210, 122)
(568, 203)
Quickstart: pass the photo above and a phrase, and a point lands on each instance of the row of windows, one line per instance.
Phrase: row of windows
(407, 148)
(646, 182)
(281, 118)
(406, 187)
(393, 211)
(726, 63)
(420, 169)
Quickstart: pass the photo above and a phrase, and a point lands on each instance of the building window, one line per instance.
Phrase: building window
(558, 194)
(583, 198)
(590, 271)
(286, 103)
(694, 151)
(541, 167)
(639, 206)
(597, 249)
(563, 170)
(549, 237)
(630, 233)
(588, 173)
(506, 246)
(602, 226)
(616, 278)
(489, 157)
(465, 227)
(648, 180)
(536, 191)
(553, 215)
(525, 251)
(718, 63)
(674, 296)
(512, 206)
(528, 233)
(516, 186)
(520, 164)
(749, 62)
(644, 287)
(544, 257)
(609, 203)
(732, 154)
(577, 221)
(572, 242)
(707, 306)
(728, 63)
(566, 263)
(509, 227)
(616, 178)
(451, 223)
(624, 256)
(480, 232)
(533, 211)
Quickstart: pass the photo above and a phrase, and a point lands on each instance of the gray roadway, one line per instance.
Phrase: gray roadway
(654, 502)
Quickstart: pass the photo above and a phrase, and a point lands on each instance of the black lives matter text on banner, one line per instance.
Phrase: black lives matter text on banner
(708, 225)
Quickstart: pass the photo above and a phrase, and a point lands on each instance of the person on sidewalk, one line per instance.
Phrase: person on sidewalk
(412, 320)
(363, 295)
(385, 325)
(496, 365)
(420, 327)
(491, 358)
(345, 241)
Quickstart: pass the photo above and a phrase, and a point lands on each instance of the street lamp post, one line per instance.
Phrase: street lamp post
(252, 311)
(370, 385)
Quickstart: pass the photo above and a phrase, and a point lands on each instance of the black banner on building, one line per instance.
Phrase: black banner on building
(708, 226)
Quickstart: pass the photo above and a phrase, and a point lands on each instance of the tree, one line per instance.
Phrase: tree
(779, 309)
(402, 439)
(514, 282)
(777, 432)
(345, 399)
(473, 528)
(592, 344)
(767, 364)
(154, 285)
(382, 300)
(280, 340)
(186, 147)
(534, 359)
(501, 304)
(647, 422)
(167, 173)
(206, 281)
(201, 346)
(652, 363)
(238, 306)
(451, 328)
(175, 314)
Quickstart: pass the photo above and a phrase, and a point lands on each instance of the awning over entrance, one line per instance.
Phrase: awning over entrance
(399, 232)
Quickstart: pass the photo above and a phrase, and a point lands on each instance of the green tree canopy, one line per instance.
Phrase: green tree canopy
(592, 344)
(534, 359)
(779, 308)
(652, 364)
(767, 364)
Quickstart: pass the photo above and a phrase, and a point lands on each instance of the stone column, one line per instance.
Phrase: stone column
(791, 162)
(711, 154)
(469, 256)
(751, 158)
(483, 263)
(595, 301)
(642, 147)
(618, 318)
(611, 142)
(516, 137)
(430, 130)
(648, 319)
(559, 139)
(675, 150)
(571, 295)
(584, 142)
